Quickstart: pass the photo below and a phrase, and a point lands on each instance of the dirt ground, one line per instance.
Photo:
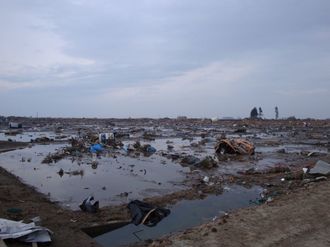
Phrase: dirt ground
(299, 218)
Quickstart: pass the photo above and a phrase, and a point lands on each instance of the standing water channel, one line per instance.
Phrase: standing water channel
(184, 214)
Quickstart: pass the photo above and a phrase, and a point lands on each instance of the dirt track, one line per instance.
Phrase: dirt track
(300, 218)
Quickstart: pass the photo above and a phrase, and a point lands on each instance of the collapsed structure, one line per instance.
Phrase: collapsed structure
(234, 146)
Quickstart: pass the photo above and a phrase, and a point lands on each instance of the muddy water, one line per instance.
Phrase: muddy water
(139, 177)
(118, 180)
(184, 214)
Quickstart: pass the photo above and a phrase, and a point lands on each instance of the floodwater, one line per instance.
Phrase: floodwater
(184, 214)
(119, 177)
(137, 176)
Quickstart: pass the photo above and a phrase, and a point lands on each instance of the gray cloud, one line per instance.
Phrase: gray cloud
(165, 58)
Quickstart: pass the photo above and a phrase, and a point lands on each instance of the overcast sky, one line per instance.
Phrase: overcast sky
(157, 58)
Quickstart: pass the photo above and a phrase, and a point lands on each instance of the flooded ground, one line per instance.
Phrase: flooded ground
(107, 181)
(170, 174)
(118, 176)
(185, 214)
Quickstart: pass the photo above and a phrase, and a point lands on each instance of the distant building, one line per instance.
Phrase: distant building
(14, 125)
(181, 118)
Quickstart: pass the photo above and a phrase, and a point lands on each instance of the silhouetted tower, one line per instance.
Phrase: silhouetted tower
(260, 112)
(276, 112)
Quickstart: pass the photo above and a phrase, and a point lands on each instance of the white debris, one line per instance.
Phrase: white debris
(206, 179)
(24, 232)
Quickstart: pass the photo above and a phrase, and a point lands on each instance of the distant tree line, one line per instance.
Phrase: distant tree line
(258, 113)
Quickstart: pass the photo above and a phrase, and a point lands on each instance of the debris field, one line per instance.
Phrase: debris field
(101, 179)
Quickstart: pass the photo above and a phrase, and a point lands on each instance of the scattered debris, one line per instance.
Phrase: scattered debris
(61, 172)
(53, 158)
(23, 232)
(89, 205)
(42, 140)
(316, 154)
(234, 146)
(147, 214)
(240, 130)
(75, 173)
(206, 179)
(96, 148)
(146, 149)
(170, 147)
(281, 151)
(105, 137)
(150, 136)
(207, 163)
(190, 160)
(149, 149)
(321, 167)
(322, 178)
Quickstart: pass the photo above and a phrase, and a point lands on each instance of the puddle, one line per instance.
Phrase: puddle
(140, 177)
(185, 214)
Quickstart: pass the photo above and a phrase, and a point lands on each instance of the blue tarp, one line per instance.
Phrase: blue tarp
(96, 148)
